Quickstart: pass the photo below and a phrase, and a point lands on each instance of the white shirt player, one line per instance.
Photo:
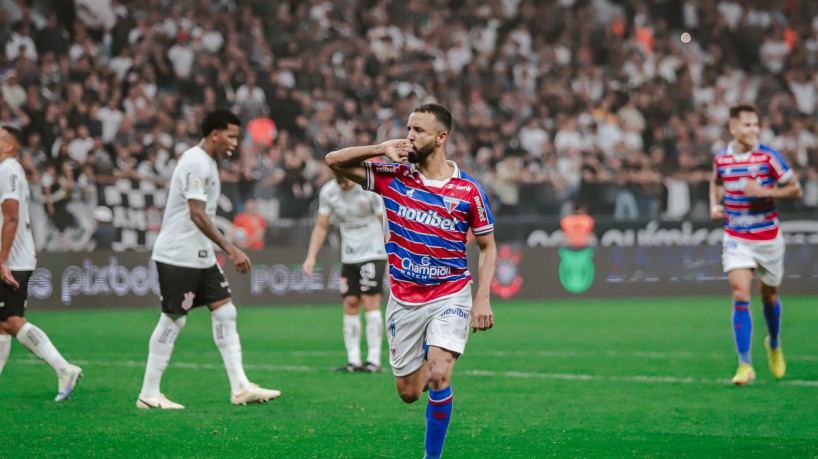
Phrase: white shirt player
(13, 185)
(180, 241)
(358, 212)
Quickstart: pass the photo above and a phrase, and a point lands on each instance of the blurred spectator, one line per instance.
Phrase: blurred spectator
(596, 101)
(249, 227)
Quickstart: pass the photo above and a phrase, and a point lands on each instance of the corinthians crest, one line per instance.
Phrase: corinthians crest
(507, 279)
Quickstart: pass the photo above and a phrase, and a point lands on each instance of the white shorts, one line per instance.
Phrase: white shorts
(767, 258)
(442, 323)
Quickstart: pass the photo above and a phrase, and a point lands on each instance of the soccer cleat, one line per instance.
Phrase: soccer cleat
(254, 394)
(348, 368)
(369, 367)
(775, 357)
(66, 382)
(159, 402)
(744, 375)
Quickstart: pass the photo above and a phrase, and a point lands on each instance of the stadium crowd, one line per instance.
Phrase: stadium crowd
(600, 102)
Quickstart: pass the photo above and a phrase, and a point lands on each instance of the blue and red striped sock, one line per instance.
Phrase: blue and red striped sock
(772, 315)
(742, 330)
(438, 413)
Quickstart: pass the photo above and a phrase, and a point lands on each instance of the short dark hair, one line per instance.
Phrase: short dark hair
(16, 133)
(442, 114)
(218, 120)
(737, 110)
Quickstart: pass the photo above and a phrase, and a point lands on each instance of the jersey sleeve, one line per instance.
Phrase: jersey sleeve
(10, 185)
(193, 175)
(480, 218)
(324, 208)
(779, 168)
(379, 175)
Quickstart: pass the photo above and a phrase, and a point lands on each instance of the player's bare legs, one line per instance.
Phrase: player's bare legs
(374, 332)
(225, 334)
(740, 282)
(36, 341)
(437, 371)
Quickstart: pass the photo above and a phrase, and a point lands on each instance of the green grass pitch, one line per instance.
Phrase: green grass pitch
(601, 378)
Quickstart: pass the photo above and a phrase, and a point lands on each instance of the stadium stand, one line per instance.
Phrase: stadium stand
(601, 102)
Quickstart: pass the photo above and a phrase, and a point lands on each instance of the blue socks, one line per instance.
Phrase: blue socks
(742, 329)
(772, 314)
(438, 413)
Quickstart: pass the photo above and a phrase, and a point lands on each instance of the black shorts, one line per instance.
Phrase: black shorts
(182, 289)
(365, 278)
(13, 302)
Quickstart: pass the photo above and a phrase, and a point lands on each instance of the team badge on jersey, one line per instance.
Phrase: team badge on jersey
(451, 203)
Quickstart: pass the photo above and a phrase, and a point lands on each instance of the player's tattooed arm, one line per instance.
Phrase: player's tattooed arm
(347, 161)
(482, 316)
(790, 190)
(206, 226)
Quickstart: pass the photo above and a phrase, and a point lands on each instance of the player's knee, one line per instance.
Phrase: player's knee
(409, 395)
(741, 294)
(438, 378)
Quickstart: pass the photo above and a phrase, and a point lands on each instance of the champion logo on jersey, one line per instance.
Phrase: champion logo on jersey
(410, 192)
(13, 183)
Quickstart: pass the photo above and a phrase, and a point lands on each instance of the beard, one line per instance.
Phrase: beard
(420, 154)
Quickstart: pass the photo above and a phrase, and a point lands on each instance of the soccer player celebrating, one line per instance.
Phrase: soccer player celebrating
(430, 206)
(17, 263)
(186, 263)
(749, 177)
(364, 260)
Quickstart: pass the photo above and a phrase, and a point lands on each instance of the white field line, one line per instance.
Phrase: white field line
(477, 373)
(573, 354)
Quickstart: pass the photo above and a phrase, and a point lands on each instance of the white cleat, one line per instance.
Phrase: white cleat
(254, 394)
(66, 382)
(159, 402)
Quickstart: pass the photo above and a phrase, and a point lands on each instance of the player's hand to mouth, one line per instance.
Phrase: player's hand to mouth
(398, 150)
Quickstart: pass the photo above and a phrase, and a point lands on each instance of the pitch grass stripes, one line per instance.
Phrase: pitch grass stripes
(479, 373)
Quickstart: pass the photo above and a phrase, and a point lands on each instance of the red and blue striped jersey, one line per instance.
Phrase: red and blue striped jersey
(427, 225)
(745, 217)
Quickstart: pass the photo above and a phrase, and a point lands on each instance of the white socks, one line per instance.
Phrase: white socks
(352, 338)
(160, 347)
(374, 336)
(5, 348)
(36, 341)
(227, 340)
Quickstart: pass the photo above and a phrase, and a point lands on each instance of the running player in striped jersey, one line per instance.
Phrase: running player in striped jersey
(430, 205)
(749, 177)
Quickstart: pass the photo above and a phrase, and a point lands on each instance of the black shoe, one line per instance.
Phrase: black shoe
(369, 367)
(348, 368)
